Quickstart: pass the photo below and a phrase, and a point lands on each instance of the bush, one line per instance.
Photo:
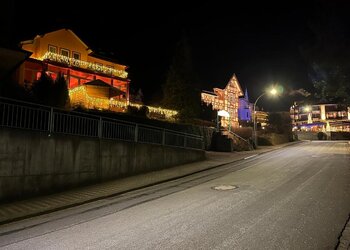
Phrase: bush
(321, 136)
(262, 141)
(141, 112)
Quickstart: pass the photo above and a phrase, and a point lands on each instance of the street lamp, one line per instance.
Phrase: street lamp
(273, 92)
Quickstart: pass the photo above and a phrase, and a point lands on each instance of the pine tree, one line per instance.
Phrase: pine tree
(179, 91)
(328, 55)
(61, 93)
(43, 89)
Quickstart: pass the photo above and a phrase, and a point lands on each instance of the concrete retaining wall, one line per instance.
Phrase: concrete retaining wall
(31, 163)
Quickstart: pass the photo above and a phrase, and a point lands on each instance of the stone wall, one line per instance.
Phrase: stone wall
(32, 163)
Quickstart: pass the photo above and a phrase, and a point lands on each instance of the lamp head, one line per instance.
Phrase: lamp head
(273, 91)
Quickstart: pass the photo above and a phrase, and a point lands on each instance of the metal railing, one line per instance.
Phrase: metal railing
(250, 146)
(24, 115)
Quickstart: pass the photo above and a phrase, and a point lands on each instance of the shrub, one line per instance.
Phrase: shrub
(321, 136)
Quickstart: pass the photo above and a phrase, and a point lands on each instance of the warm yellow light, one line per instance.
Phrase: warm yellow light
(79, 96)
(273, 91)
(83, 64)
(223, 113)
(307, 109)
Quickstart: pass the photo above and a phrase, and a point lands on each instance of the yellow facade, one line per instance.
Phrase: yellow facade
(226, 99)
(58, 45)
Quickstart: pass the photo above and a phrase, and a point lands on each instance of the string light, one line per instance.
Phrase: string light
(83, 64)
(79, 96)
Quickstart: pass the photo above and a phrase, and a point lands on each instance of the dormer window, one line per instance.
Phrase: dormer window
(65, 52)
(76, 55)
(52, 49)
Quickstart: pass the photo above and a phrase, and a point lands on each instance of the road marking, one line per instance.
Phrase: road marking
(224, 187)
(250, 157)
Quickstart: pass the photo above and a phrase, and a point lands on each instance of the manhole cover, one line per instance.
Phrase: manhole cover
(224, 187)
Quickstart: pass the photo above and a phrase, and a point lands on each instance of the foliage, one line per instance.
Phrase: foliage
(280, 122)
(46, 91)
(141, 112)
(60, 92)
(207, 112)
(13, 90)
(43, 90)
(262, 141)
(179, 91)
(327, 54)
(322, 136)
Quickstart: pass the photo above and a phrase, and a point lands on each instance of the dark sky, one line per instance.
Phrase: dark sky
(259, 41)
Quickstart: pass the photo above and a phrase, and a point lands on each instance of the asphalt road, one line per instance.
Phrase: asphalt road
(297, 197)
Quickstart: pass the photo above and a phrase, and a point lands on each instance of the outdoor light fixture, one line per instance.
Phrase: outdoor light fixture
(307, 108)
(223, 113)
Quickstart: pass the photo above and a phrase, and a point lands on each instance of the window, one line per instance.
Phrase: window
(76, 55)
(52, 49)
(65, 52)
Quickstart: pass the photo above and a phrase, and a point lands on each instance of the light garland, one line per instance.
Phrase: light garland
(168, 113)
(83, 64)
(79, 96)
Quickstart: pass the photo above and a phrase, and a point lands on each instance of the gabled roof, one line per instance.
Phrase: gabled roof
(65, 29)
(235, 81)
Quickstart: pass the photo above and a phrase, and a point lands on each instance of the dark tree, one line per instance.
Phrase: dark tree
(60, 92)
(207, 112)
(280, 122)
(179, 91)
(43, 90)
(11, 89)
(329, 52)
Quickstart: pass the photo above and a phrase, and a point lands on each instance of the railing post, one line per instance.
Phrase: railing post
(100, 128)
(136, 132)
(163, 137)
(185, 141)
(51, 121)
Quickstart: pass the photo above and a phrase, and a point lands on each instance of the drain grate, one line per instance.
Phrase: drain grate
(225, 187)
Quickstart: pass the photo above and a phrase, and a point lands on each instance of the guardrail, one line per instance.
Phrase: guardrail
(30, 116)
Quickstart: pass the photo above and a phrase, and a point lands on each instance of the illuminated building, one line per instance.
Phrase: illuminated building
(62, 51)
(225, 99)
(245, 109)
(261, 118)
(320, 117)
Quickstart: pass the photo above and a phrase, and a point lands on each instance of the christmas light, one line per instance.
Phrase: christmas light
(83, 64)
(78, 96)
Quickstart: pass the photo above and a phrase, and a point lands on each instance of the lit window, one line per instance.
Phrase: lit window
(76, 55)
(52, 49)
(65, 52)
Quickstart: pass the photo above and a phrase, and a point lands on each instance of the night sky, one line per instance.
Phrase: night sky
(259, 41)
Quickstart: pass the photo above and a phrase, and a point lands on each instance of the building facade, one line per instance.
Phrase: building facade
(245, 109)
(320, 117)
(225, 99)
(63, 52)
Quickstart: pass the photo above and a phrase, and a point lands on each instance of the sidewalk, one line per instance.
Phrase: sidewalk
(44, 204)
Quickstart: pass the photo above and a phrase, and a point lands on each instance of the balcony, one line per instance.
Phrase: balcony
(49, 56)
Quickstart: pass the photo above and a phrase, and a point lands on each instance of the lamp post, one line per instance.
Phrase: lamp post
(272, 92)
